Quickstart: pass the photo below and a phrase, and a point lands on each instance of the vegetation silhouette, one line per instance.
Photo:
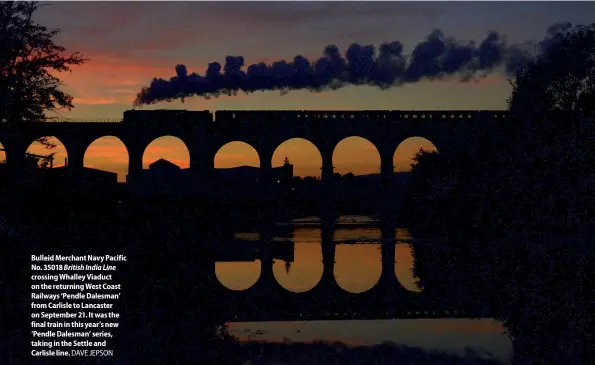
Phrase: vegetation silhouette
(529, 174)
(29, 60)
(172, 308)
(515, 204)
(516, 210)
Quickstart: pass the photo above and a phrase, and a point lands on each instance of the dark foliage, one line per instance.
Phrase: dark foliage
(532, 173)
(28, 59)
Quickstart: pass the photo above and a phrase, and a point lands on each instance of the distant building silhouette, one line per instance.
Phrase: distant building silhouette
(164, 176)
(162, 164)
(250, 174)
(86, 176)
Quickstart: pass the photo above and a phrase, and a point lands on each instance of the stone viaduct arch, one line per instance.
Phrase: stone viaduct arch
(304, 142)
(237, 143)
(147, 160)
(204, 133)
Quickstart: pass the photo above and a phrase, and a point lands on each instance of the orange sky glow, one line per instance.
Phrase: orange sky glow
(353, 154)
(127, 46)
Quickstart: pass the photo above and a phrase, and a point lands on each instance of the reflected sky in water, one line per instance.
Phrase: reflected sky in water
(447, 335)
(357, 269)
(306, 269)
(357, 265)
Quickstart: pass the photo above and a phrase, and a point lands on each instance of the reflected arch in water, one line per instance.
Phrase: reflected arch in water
(404, 267)
(169, 148)
(58, 151)
(238, 275)
(302, 154)
(2, 154)
(305, 272)
(108, 153)
(404, 259)
(356, 155)
(358, 266)
(406, 151)
(236, 154)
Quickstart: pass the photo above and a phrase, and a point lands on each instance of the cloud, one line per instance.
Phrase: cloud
(93, 101)
(437, 57)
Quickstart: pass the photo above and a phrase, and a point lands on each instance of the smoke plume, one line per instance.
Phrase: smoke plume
(437, 57)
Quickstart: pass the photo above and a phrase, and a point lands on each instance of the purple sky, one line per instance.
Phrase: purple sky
(130, 43)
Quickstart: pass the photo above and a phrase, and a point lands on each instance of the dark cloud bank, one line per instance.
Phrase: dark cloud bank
(436, 57)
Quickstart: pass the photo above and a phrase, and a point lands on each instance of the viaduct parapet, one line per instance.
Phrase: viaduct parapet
(205, 132)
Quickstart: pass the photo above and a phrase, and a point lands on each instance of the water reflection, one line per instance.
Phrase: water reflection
(238, 275)
(361, 245)
(305, 271)
(404, 267)
(358, 260)
(447, 335)
(358, 257)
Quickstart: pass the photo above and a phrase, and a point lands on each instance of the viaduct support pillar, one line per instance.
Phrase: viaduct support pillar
(135, 163)
(388, 283)
(388, 196)
(327, 167)
(267, 181)
(327, 179)
(267, 280)
(386, 169)
(327, 280)
(76, 155)
(15, 158)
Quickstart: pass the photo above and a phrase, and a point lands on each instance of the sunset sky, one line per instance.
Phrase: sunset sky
(130, 43)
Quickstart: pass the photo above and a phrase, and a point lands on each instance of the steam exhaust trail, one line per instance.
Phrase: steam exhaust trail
(437, 57)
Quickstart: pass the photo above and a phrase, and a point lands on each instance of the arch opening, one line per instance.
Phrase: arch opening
(358, 265)
(305, 272)
(108, 153)
(237, 166)
(168, 148)
(302, 154)
(404, 261)
(407, 150)
(356, 155)
(236, 154)
(243, 270)
(46, 152)
(2, 154)
(238, 276)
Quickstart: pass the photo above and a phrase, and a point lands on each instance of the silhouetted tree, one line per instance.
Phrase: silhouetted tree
(39, 162)
(530, 176)
(531, 173)
(348, 177)
(29, 59)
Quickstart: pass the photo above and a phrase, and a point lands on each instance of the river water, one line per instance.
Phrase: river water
(357, 269)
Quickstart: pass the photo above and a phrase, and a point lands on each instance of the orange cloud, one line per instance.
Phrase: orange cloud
(93, 101)
(236, 156)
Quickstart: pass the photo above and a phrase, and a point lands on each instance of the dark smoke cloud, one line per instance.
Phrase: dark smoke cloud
(437, 57)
